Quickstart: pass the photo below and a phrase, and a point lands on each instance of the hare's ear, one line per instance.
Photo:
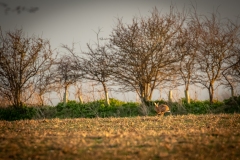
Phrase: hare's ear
(155, 104)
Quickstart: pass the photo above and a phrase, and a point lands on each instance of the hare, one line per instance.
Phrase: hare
(161, 109)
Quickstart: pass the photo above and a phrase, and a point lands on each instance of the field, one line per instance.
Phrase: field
(170, 137)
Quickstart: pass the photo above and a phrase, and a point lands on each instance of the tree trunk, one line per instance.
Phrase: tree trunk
(147, 90)
(210, 97)
(41, 100)
(65, 96)
(211, 93)
(17, 99)
(170, 96)
(187, 96)
(106, 94)
(142, 94)
(232, 91)
(80, 98)
(107, 99)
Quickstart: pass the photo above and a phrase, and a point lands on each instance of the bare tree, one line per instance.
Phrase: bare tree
(78, 93)
(21, 60)
(95, 64)
(65, 74)
(45, 83)
(217, 41)
(145, 51)
(188, 45)
(231, 73)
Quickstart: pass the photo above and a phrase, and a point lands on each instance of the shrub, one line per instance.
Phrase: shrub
(45, 112)
(232, 105)
(117, 108)
(97, 108)
(17, 113)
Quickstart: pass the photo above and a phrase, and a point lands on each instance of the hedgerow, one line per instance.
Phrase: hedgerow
(117, 108)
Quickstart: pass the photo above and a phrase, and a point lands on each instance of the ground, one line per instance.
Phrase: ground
(170, 137)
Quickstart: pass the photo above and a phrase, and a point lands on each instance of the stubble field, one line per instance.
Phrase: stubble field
(171, 137)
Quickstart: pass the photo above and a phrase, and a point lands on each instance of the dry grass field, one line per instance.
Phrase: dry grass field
(170, 137)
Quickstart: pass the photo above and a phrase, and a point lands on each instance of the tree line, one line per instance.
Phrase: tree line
(151, 51)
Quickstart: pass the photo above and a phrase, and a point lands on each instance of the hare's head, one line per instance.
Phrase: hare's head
(156, 105)
(157, 108)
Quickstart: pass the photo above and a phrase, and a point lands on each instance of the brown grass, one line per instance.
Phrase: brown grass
(171, 137)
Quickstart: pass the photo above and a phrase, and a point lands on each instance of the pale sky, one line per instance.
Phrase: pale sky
(67, 21)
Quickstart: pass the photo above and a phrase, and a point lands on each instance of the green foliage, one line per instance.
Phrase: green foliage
(195, 107)
(232, 101)
(97, 108)
(177, 108)
(129, 109)
(45, 112)
(232, 105)
(198, 107)
(117, 108)
(17, 113)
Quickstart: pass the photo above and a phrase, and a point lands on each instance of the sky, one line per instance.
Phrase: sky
(68, 21)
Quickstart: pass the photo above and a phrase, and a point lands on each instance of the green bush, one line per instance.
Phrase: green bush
(97, 108)
(117, 108)
(233, 101)
(232, 105)
(195, 107)
(45, 112)
(17, 113)
(203, 107)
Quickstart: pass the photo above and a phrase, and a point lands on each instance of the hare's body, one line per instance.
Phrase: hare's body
(161, 109)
